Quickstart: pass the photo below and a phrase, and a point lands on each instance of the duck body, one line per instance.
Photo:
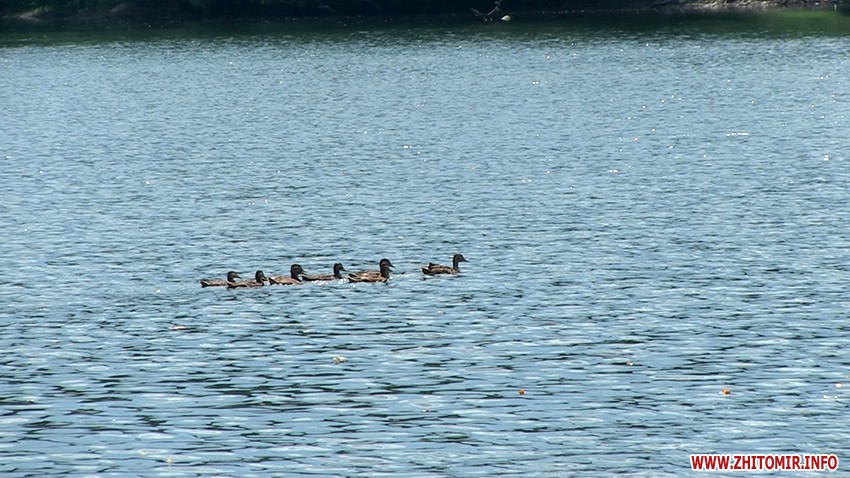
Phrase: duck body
(435, 269)
(231, 278)
(259, 281)
(337, 275)
(295, 273)
(382, 275)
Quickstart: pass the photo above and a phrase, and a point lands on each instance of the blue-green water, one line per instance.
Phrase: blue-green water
(650, 215)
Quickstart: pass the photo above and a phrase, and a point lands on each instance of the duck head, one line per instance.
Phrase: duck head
(386, 268)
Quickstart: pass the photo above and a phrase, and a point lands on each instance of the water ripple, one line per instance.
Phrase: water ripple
(646, 224)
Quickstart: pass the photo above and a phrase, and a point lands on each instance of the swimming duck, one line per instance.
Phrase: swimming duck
(326, 277)
(295, 273)
(434, 269)
(231, 277)
(382, 275)
(259, 281)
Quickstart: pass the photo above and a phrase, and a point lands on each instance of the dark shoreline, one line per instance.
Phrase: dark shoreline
(180, 11)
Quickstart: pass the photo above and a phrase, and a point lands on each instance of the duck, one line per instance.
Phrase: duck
(259, 281)
(382, 275)
(295, 273)
(231, 277)
(433, 269)
(325, 277)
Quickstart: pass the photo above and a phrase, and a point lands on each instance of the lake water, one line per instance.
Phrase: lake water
(651, 213)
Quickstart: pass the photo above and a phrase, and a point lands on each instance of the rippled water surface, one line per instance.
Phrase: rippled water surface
(650, 216)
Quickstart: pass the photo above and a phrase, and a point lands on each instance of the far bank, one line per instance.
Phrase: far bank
(484, 10)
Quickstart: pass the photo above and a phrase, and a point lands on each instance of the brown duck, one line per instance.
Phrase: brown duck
(231, 277)
(434, 269)
(382, 275)
(295, 273)
(325, 277)
(259, 281)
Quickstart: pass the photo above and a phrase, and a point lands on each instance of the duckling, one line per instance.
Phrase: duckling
(259, 281)
(295, 273)
(381, 265)
(434, 269)
(231, 277)
(325, 277)
(382, 275)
